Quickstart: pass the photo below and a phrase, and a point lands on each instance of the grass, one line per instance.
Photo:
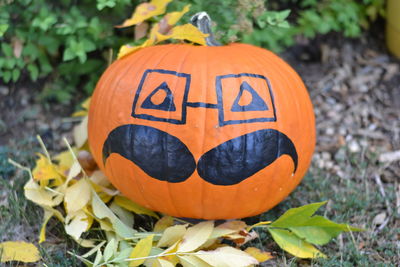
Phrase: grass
(355, 200)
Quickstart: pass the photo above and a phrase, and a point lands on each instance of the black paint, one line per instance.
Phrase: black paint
(145, 76)
(221, 113)
(239, 158)
(166, 105)
(256, 104)
(201, 105)
(159, 154)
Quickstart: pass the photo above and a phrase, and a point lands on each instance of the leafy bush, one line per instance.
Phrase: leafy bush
(60, 40)
(68, 44)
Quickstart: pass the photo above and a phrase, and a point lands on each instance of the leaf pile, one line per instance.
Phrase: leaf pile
(71, 188)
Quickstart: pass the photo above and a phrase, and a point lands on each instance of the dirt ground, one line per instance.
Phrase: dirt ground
(355, 88)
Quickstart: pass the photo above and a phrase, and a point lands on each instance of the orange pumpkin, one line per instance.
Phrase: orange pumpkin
(202, 132)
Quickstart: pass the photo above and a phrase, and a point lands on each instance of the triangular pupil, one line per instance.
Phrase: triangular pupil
(166, 105)
(256, 104)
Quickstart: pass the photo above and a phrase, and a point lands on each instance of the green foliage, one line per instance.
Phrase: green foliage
(264, 23)
(67, 44)
(62, 41)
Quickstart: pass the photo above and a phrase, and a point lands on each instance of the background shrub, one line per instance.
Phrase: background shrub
(67, 44)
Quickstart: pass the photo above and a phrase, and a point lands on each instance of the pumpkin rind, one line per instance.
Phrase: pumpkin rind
(195, 113)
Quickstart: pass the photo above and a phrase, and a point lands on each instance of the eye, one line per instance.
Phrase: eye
(162, 96)
(244, 98)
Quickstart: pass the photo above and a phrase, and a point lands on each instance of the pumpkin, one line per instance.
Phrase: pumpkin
(210, 132)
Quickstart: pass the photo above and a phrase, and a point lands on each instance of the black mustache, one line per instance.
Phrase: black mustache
(166, 158)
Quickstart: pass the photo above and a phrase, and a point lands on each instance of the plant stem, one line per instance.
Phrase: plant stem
(203, 22)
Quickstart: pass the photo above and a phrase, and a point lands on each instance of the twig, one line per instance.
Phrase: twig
(387, 204)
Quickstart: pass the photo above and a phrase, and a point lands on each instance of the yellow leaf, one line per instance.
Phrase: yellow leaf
(226, 257)
(39, 195)
(132, 206)
(171, 235)
(65, 161)
(196, 236)
(84, 112)
(258, 254)
(295, 245)
(18, 251)
(45, 170)
(80, 132)
(173, 17)
(76, 223)
(145, 11)
(77, 195)
(163, 223)
(86, 104)
(126, 50)
(165, 263)
(46, 217)
(185, 32)
(192, 261)
(48, 213)
(142, 249)
(228, 228)
(74, 171)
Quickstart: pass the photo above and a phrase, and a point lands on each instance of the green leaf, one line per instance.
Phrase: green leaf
(33, 71)
(15, 74)
(294, 244)
(6, 76)
(110, 249)
(297, 216)
(7, 49)
(3, 29)
(319, 230)
(101, 211)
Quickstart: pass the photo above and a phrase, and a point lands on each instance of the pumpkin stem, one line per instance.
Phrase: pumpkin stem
(203, 22)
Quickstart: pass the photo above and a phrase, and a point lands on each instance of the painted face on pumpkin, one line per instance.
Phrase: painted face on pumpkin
(165, 96)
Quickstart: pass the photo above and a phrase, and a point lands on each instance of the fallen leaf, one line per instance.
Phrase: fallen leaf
(39, 195)
(319, 230)
(196, 236)
(76, 223)
(18, 251)
(48, 213)
(226, 257)
(163, 224)
(171, 235)
(45, 169)
(132, 206)
(297, 216)
(86, 161)
(294, 244)
(193, 261)
(145, 11)
(80, 132)
(77, 195)
(258, 254)
(101, 211)
(46, 217)
(142, 249)
(125, 216)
